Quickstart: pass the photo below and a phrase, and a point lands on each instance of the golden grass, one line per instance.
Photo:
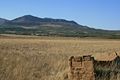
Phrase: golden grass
(45, 58)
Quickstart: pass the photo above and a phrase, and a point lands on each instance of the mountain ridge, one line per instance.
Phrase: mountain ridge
(2, 21)
(34, 19)
(31, 25)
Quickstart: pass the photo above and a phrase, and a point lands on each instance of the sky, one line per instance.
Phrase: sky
(100, 14)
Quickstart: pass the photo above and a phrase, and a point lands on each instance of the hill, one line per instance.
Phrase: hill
(31, 25)
(2, 21)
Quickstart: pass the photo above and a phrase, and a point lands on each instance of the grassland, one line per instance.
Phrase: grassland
(46, 58)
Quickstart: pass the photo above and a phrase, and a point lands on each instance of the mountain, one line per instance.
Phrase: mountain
(2, 21)
(32, 20)
(27, 19)
(31, 25)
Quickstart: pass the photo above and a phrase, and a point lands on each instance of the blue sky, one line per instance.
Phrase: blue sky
(103, 14)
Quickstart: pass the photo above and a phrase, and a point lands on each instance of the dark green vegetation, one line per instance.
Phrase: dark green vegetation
(30, 25)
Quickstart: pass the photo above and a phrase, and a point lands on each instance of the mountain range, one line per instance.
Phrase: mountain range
(31, 25)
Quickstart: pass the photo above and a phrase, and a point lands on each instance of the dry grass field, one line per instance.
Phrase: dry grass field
(46, 58)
